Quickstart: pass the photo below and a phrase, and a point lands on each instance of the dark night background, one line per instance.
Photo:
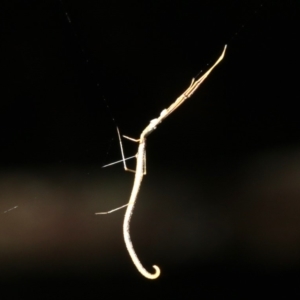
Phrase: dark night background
(219, 209)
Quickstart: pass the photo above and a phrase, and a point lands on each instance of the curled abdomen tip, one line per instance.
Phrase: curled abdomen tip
(156, 274)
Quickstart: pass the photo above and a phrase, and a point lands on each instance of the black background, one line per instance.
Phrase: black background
(219, 208)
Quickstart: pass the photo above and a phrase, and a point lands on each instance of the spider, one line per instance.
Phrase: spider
(140, 169)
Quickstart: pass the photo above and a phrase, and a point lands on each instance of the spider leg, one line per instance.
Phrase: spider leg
(118, 161)
(122, 152)
(110, 211)
(193, 80)
(131, 139)
(144, 163)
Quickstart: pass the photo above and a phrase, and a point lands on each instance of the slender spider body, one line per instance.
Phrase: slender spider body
(140, 169)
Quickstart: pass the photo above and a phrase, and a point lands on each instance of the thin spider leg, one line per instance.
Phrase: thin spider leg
(118, 161)
(107, 212)
(193, 80)
(126, 169)
(131, 139)
(110, 211)
(122, 152)
(144, 155)
(189, 91)
(144, 163)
